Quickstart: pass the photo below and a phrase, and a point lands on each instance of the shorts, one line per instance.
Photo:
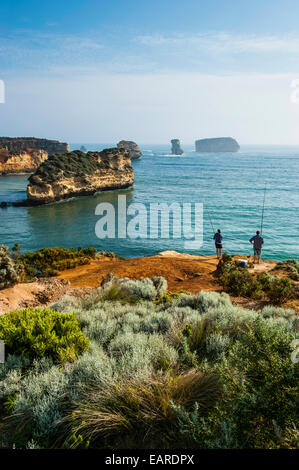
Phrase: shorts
(218, 245)
(257, 251)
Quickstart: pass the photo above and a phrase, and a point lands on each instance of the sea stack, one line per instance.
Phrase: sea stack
(79, 174)
(132, 147)
(176, 147)
(218, 144)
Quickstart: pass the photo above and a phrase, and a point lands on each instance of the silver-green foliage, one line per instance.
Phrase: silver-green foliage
(126, 341)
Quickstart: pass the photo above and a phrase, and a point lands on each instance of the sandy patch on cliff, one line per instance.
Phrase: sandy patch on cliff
(34, 294)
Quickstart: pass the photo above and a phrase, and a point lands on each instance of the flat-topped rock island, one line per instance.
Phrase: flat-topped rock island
(217, 144)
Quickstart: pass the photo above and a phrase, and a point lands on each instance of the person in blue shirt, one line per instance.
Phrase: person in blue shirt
(257, 241)
(218, 243)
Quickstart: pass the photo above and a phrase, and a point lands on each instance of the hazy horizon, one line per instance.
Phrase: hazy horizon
(150, 71)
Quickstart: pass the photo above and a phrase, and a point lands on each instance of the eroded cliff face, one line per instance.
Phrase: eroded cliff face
(17, 144)
(80, 174)
(25, 161)
(132, 147)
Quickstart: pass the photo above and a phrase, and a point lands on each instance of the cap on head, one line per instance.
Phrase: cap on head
(258, 232)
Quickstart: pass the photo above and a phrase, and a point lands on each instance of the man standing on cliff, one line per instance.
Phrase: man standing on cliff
(257, 242)
(218, 243)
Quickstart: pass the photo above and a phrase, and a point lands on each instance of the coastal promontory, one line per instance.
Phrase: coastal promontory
(132, 147)
(16, 144)
(23, 161)
(79, 174)
(218, 144)
(176, 148)
(25, 154)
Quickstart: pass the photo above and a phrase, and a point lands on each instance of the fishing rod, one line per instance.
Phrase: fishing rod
(210, 219)
(262, 221)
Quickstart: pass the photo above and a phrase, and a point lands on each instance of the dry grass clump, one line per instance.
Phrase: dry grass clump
(143, 407)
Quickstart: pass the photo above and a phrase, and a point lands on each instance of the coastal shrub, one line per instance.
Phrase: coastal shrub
(132, 291)
(16, 251)
(10, 272)
(291, 266)
(239, 282)
(277, 312)
(42, 332)
(118, 293)
(195, 372)
(262, 358)
(50, 261)
(203, 301)
(278, 289)
(143, 288)
(170, 297)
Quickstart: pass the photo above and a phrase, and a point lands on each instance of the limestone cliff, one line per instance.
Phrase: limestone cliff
(176, 148)
(16, 144)
(24, 161)
(218, 144)
(132, 147)
(80, 174)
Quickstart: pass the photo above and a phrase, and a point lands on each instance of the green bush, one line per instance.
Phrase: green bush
(10, 272)
(239, 282)
(261, 356)
(42, 333)
(50, 261)
(278, 289)
(291, 266)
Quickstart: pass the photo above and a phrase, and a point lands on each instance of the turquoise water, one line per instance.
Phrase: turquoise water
(230, 185)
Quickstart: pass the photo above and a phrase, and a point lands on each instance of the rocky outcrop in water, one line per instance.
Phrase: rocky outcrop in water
(79, 174)
(132, 147)
(219, 144)
(24, 161)
(176, 147)
(17, 144)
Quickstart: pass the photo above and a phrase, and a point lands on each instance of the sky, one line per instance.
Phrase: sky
(147, 70)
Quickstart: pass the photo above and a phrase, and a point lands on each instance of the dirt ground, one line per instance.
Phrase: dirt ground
(182, 272)
(34, 294)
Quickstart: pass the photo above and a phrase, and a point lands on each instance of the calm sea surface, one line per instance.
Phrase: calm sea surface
(230, 185)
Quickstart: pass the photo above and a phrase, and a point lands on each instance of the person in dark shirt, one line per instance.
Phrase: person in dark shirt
(218, 243)
(257, 242)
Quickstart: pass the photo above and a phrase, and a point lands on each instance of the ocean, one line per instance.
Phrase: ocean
(231, 187)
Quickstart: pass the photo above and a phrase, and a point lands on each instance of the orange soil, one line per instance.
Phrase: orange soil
(182, 272)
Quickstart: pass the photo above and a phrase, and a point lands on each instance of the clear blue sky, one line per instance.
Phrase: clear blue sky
(143, 69)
